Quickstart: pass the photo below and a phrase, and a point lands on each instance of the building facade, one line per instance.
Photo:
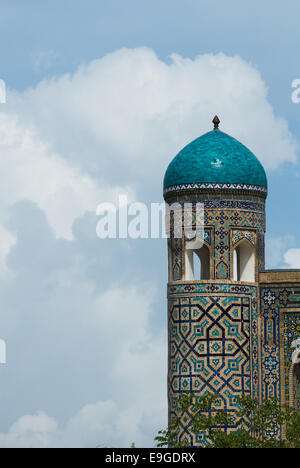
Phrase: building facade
(234, 328)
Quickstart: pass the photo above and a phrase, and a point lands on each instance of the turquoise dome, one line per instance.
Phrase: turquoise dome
(215, 161)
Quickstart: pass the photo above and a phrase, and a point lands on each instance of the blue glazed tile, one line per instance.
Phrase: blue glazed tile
(215, 158)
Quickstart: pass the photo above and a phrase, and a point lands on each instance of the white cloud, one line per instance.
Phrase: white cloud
(129, 111)
(281, 253)
(126, 356)
(102, 424)
(7, 240)
(2, 92)
(114, 125)
(30, 170)
(276, 248)
(292, 258)
(30, 431)
(67, 145)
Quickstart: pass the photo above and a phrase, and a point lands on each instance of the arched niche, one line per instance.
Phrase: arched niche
(244, 262)
(197, 261)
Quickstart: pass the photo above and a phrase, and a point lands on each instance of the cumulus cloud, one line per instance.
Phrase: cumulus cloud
(114, 125)
(276, 248)
(7, 240)
(281, 252)
(84, 320)
(30, 431)
(292, 258)
(101, 425)
(125, 115)
(77, 334)
(30, 170)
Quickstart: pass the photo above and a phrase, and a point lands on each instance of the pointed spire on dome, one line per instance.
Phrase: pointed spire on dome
(216, 122)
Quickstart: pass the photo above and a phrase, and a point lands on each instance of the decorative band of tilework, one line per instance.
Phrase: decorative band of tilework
(214, 186)
(238, 235)
(234, 204)
(227, 204)
(184, 288)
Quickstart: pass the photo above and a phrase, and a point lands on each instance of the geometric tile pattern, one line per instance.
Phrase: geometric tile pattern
(280, 322)
(242, 234)
(234, 204)
(219, 342)
(291, 331)
(212, 345)
(219, 222)
(177, 256)
(214, 187)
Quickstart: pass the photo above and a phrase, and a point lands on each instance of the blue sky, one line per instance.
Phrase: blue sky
(97, 105)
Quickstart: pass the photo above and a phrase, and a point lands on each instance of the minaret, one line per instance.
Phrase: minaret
(213, 321)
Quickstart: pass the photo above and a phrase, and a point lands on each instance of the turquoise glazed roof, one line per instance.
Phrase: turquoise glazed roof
(215, 161)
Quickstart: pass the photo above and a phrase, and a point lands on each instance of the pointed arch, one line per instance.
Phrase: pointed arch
(197, 261)
(244, 262)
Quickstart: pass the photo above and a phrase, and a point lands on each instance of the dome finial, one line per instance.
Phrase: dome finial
(216, 122)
